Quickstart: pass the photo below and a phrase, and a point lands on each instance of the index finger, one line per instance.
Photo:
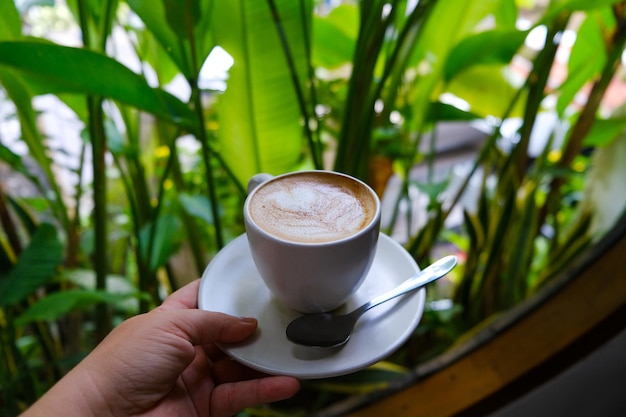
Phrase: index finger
(182, 299)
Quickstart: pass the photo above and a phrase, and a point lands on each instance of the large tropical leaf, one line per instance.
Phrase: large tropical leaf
(490, 47)
(449, 23)
(487, 91)
(260, 121)
(57, 305)
(35, 266)
(19, 92)
(51, 68)
(557, 7)
(334, 36)
(580, 68)
(150, 50)
(10, 23)
(163, 241)
(173, 22)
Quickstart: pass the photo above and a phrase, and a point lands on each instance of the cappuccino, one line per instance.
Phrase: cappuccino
(312, 207)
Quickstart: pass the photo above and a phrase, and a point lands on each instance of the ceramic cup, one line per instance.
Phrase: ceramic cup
(312, 235)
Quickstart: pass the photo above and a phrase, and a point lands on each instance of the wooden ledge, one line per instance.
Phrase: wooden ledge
(582, 309)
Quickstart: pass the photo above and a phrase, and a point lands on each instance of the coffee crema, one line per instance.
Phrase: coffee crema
(312, 207)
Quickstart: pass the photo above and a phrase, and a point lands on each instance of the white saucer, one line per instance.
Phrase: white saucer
(231, 284)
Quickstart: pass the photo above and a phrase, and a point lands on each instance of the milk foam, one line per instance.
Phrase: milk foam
(308, 209)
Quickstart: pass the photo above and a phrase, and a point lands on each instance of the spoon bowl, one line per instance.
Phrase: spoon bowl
(328, 330)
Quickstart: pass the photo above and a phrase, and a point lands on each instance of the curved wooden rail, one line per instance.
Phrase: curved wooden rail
(584, 308)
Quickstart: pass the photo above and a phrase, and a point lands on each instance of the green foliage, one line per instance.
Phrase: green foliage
(72, 70)
(309, 88)
(260, 120)
(37, 264)
(168, 22)
(58, 305)
(494, 47)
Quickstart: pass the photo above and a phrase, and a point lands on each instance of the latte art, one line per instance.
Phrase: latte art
(307, 208)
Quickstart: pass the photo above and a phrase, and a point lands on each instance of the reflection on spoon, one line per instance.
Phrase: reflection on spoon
(333, 330)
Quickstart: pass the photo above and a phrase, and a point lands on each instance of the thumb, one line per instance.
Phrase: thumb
(201, 327)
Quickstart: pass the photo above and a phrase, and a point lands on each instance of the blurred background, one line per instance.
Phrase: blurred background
(492, 130)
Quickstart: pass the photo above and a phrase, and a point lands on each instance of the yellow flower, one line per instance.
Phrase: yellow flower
(554, 155)
(578, 166)
(162, 151)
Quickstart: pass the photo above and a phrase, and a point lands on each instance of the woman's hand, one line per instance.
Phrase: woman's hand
(165, 363)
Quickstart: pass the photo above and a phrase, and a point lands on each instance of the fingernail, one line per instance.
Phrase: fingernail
(248, 320)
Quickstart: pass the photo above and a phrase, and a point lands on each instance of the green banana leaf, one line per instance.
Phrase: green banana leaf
(19, 92)
(490, 47)
(50, 68)
(487, 91)
(36, 265)
(164, 243)
(334, 36)
(54, 306)
(10, 23)
(580, 68)
(168, 21)
(197, 206)
(260, 123)
(557, 7)
(448, 24)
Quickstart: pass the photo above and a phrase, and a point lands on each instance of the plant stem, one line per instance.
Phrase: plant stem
(306, 24)
(98, 148)
(302, 102)
(142, 257)
(356, 129)
(73, 236)
(207, 156)
(536, 84)
(155, 215)
(206, 159)
(193, 235)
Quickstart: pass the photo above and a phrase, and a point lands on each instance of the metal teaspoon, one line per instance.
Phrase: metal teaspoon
(333, 330)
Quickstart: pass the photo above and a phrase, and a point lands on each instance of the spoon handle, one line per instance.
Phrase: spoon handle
(433, 272)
